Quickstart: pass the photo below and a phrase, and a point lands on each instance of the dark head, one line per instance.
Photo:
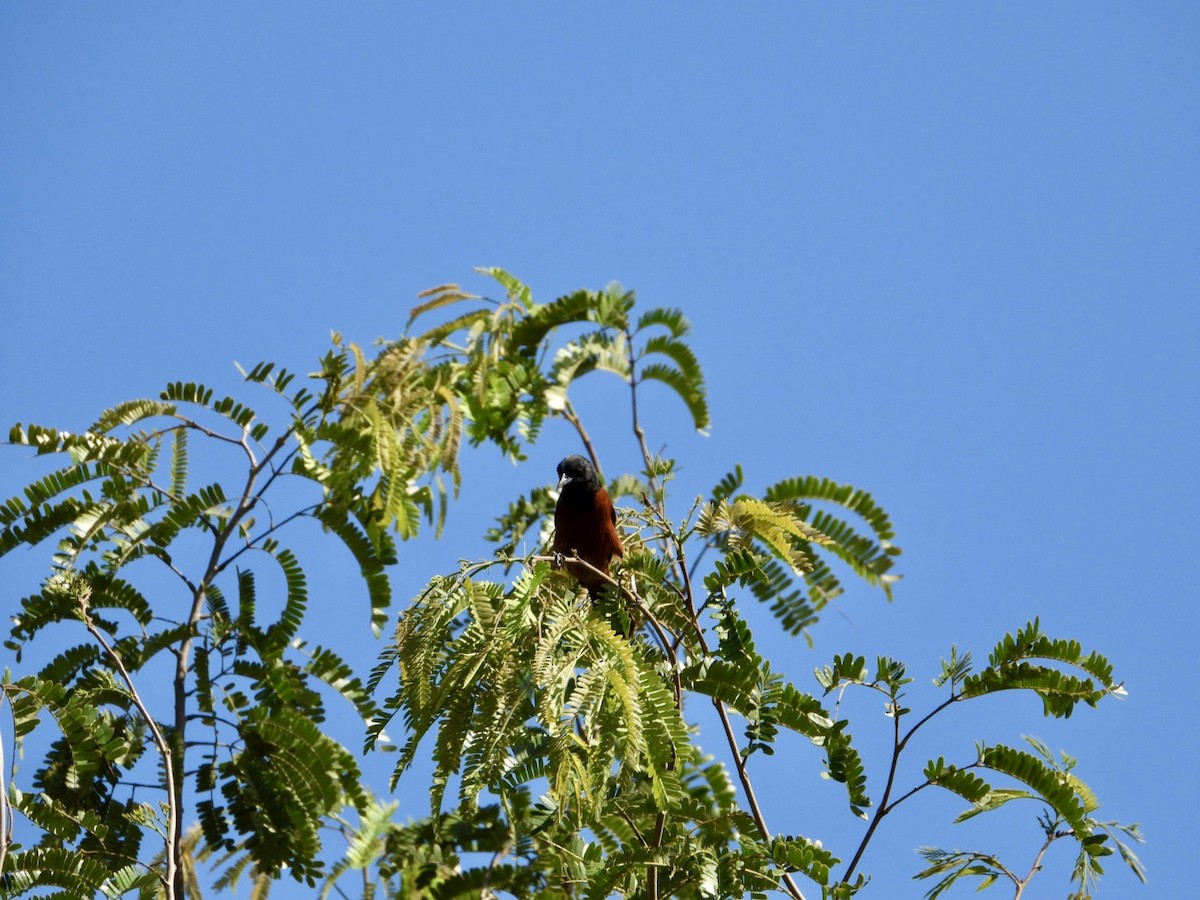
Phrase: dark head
(577, 473)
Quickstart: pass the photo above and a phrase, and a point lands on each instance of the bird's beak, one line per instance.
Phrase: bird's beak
(564, 481)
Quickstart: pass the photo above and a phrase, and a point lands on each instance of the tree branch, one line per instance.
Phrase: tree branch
(883, 808)
(164, 749)
(212, 569)
(571, 416)
(748, 789)
(1022, 883)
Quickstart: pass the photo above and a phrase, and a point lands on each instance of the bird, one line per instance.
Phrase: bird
(585, 523)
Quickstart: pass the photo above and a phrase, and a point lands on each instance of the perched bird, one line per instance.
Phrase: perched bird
(585, 523)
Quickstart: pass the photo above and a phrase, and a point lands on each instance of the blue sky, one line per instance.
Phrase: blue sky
(946, 252)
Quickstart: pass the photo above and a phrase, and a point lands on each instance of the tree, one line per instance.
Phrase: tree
(564, 761)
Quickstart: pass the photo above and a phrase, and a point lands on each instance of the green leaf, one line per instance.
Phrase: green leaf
(846, 668)
(532, 330)
(857, 501)
(671, 319)
(333, 671)
(516, 290)
(844, 764)
(439, 297)
(1060, 692)
(798, 854)
(728, 485)
(179, 462)
(70, 870)
(1044, 781)
(689, 390)
(373, 550)
(966, 784)
(281, 632)
(131, 412)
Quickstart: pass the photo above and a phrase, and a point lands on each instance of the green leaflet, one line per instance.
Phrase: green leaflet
(77, 875)
(1044, 781)
(966, 784)
(775, 545)
(1012, 667)
(373, 550)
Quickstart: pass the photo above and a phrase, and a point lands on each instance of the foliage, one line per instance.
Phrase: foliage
(565, 759)
(245, 706)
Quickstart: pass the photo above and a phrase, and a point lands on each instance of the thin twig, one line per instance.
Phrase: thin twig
(648, 460)
(215, 435)
(253, 543)
(883, 808)
(638, 431)
(173, 816)
(748, 789)
(571, 416)
(1051, 837)
(673, 551)
(898, 745)
(731, 738)
(183, 654)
